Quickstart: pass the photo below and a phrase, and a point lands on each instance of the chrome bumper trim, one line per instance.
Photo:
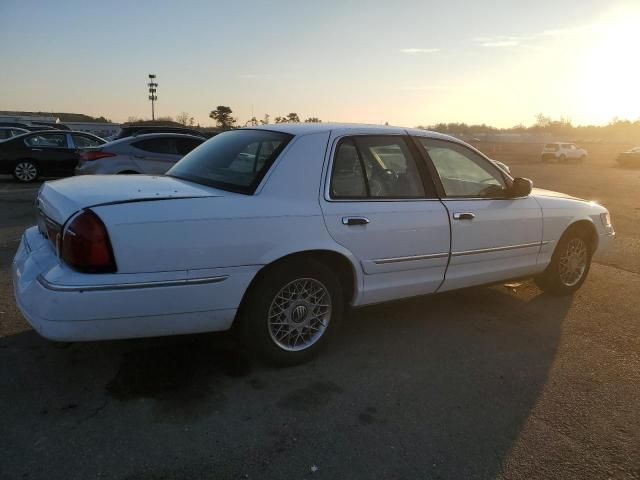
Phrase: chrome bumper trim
(129, 286)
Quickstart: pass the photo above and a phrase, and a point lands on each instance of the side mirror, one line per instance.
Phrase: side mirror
(521, 187)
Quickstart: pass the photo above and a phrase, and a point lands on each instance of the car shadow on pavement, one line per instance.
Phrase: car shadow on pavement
(431, 387)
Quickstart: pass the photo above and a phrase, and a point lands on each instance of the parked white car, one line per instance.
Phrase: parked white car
(562, 152)
(152, 153)
(277, 229)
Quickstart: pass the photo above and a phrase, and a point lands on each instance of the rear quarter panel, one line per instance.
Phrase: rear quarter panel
(283, 217)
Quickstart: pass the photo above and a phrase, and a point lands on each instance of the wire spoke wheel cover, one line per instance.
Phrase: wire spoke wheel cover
(26, 171)
(573, 262)
(299, 314)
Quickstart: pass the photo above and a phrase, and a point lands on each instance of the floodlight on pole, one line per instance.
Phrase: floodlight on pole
(153, 85)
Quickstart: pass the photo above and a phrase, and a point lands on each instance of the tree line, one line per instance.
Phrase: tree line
(223, 116)
(617, 129)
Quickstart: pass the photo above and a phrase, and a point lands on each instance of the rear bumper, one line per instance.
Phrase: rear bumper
(63, 309)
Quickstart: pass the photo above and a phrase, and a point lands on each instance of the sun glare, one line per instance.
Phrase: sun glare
(607, 86)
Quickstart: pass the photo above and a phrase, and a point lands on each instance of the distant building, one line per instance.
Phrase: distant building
(101, 129)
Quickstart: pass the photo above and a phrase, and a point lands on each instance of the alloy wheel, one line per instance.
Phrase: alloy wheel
(299, 314)
(573, 262)
(26, 172)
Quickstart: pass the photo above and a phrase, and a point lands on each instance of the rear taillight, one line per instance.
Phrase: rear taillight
(95, 155)
(85, 245)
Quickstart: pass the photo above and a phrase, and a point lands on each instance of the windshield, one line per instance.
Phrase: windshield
(235, 160)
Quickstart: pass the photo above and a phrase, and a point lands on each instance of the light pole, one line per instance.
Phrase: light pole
(152, 93)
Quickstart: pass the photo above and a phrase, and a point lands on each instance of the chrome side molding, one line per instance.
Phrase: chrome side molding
(411, 258)
(431, 256)
(498, 249)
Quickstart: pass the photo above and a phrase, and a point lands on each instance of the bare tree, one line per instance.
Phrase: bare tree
(313, 120)
(184, 118)
(222, 116)
(265, 120)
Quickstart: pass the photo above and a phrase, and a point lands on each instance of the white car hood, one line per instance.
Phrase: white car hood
(62, 198)
(540, 192)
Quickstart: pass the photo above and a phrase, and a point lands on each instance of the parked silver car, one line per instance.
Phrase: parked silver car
(153, 154)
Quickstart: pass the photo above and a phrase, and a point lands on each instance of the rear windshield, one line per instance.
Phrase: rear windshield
(235, 160)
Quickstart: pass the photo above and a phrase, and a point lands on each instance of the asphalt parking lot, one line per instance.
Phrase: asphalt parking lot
(492, 382)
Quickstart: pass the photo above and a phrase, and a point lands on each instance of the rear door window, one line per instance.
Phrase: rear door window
(48, 140)
(162, 145)
(80, 141)
(383, 162)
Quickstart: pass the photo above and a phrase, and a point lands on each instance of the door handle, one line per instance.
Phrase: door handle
(355, 220)
(463, 216)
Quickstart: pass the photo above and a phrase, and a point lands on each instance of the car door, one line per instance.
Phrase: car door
(156, 155)
(52, 151)
(380, 203)
(493, 237)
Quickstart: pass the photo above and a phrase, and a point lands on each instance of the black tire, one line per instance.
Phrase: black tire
(254, 319)
(563, 159)
(26, 171)
(551, 280)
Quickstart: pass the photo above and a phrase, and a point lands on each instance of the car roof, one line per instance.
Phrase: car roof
(55, 130)
(166, 134)
(136, 138)
(309, 128)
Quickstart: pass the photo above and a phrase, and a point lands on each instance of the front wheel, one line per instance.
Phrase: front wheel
(26, 171)
(292, 312)
(569, 265)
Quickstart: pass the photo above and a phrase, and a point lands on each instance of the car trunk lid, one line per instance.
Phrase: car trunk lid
(60, 199)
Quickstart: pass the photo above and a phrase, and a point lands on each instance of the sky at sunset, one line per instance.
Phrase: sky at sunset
(403, 62)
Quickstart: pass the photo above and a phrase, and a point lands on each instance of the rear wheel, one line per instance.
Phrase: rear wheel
(292, 312)
(26, 171)
(569, 265)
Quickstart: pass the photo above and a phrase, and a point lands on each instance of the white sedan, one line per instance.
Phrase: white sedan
(277, 229)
